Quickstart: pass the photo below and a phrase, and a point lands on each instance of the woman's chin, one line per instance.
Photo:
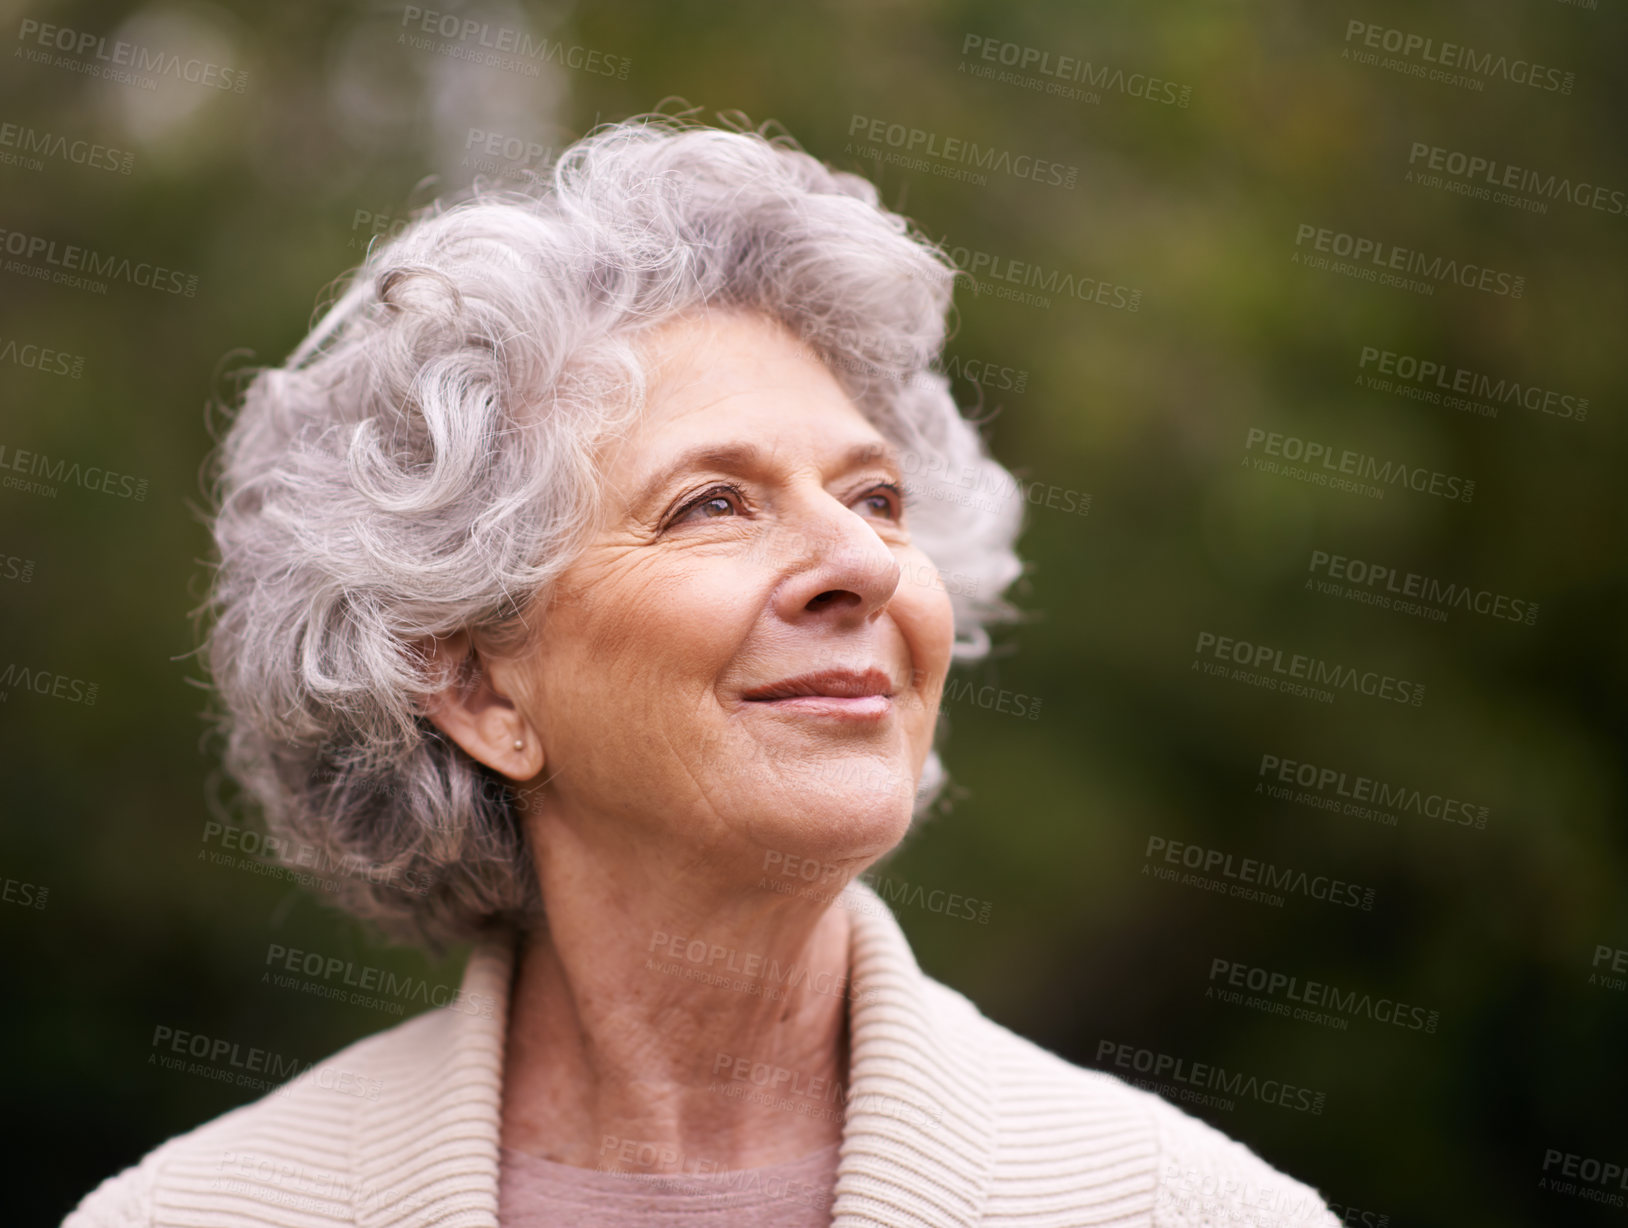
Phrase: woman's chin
(829, 836)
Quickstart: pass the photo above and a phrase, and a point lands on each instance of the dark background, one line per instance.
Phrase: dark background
(266, 195)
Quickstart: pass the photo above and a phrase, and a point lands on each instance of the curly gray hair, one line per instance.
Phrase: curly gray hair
(424, 464)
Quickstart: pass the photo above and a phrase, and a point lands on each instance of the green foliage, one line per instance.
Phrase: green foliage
(1195, 207)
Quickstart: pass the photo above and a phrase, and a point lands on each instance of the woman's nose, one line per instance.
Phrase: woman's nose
(833, 560)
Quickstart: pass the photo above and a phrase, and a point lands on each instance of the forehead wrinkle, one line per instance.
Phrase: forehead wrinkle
(680, 370)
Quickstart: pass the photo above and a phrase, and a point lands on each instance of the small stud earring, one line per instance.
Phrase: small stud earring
(519, 745)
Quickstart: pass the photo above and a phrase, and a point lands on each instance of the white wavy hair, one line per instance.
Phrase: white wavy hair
(424, 464)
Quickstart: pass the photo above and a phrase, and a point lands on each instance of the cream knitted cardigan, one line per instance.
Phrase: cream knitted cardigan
(951, 1120)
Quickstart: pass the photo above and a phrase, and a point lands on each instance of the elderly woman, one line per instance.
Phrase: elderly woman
(579, 597)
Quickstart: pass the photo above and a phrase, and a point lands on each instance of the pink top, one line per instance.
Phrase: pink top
(538, 1193)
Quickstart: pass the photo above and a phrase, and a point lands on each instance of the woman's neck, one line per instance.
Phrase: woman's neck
(657, 1027)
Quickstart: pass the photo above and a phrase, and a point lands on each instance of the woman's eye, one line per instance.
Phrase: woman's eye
(721, 501)
(711, 505)
(715, 503)
(888, 499)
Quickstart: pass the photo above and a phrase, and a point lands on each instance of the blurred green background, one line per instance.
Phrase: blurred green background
(342, 125)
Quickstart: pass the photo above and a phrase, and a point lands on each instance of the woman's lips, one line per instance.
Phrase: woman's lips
(830, 707)
(845, 694)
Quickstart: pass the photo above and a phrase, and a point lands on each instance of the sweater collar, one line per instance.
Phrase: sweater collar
(917, 1143)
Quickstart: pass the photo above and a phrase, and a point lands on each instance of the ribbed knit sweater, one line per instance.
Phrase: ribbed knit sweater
(951, 1120)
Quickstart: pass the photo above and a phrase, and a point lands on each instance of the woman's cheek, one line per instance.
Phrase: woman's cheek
(931, 615)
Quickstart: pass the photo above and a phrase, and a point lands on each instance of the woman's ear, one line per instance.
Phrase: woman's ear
(477, 710)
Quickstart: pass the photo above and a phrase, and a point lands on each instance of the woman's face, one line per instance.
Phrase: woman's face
(752, 533)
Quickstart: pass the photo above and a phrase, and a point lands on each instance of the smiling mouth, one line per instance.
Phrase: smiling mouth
(840, 707)
(843, 694)
(827, 684)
